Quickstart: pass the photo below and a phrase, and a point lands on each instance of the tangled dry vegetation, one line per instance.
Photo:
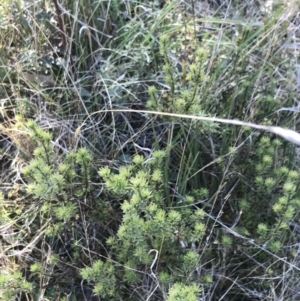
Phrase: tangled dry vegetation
(101, 199)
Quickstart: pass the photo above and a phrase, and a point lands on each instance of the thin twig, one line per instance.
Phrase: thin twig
(289, 135)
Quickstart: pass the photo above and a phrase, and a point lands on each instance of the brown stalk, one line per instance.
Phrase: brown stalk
(60, 25)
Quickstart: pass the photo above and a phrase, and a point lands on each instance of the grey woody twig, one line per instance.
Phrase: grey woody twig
(287, 134)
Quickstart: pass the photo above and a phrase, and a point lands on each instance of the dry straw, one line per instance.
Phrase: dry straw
(289, 135)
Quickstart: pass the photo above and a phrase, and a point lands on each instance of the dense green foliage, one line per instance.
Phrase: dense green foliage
(97, 204)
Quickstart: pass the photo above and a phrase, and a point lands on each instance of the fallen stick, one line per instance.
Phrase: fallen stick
(287, 134)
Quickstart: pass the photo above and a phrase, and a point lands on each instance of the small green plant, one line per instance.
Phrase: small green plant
(150, 222)
(102, 274)
(180, 291)
(12, 284)
(54, 197)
